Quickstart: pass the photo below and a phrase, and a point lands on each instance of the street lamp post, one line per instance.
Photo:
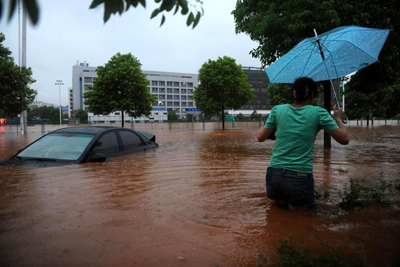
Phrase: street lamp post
(59, 83)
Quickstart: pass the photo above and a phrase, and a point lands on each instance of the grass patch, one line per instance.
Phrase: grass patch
(291, 253)
(358, 195)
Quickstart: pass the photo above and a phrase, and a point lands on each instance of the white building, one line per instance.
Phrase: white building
(174, 91)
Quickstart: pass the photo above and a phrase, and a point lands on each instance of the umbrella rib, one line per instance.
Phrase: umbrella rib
(295, 57)
(309, 56)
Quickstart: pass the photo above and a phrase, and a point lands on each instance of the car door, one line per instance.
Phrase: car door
(131, 142)
(108, 145)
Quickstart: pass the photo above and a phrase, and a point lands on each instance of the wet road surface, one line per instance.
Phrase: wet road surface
(197, 200)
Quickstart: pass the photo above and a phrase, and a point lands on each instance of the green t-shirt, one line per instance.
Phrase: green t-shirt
(296, 130)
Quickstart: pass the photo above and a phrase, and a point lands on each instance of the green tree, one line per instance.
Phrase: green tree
(222, 83)
(192, 8)
(277, 26)
(255, 116)
(279, 94)
(172, 116)
(44, 113)
(81, 115)
(14, 84)
(120, 85)
(240, 117)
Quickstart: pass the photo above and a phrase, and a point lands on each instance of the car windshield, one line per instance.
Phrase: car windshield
(65, 146)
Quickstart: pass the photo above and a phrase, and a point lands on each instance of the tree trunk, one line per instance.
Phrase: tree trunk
(327, 106)
(122, 119)
(223, 117)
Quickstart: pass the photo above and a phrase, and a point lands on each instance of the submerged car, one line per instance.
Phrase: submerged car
(74, 145)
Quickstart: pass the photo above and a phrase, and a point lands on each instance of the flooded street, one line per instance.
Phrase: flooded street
(197, 200)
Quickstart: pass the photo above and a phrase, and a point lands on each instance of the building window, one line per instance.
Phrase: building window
(183, 91)
(190, 85)
(183, 97)
(161, 103)
(176, 84)
(154, 83)
(176, 91)
(162, 90)
(169, 90)
(183, 84)
(176, 97)
(161, 97)
(169, 97)
(86, 88)
(154, 90)
(161, 83)
(190, 97)
(169, 83)
(190, 104)
(169, 103)
(88, 79)
(190, 91)
(183, 104)
(176, 104)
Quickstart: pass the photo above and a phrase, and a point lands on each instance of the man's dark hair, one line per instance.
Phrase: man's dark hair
(303, 88)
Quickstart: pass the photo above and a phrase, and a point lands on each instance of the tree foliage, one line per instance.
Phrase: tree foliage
(81, 115)
(279, 94)
(222, 83)
(44, 113)
(192, 8)
(14, 84)
(172, 116)
(278, 26)
(120, 85)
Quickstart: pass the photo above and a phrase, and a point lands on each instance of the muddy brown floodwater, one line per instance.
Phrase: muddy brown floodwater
(197, 200)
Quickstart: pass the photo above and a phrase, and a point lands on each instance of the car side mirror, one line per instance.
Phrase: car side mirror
(98, 157)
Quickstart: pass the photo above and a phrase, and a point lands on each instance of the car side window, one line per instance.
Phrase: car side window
(107, 145)
(130, 139)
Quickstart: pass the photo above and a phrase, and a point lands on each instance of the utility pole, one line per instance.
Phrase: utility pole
(23, 115)
(59, 83)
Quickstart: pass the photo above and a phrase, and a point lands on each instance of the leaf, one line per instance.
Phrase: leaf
(190, 19)
(167, 5)
(155, 13)
(112, 7)
(95, 3)
(143, 2)
(197, 19)
(162, 20)
(13, 5)
(33, 10)
(184, 5)
(176, 8)
(130, 3)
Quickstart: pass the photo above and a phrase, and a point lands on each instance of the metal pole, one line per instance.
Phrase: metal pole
(23, 115)
(59, 83)
(327, 72)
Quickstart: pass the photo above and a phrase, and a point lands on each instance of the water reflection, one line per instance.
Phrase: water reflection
(197, 200)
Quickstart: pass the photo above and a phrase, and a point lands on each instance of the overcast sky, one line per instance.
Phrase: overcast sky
(68, 31)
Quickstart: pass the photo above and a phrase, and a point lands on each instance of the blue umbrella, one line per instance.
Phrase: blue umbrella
(331, 55)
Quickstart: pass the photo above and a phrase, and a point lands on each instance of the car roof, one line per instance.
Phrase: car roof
(87, 129)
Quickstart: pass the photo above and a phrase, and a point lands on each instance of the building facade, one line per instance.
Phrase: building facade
(174, 91)
(258, 79)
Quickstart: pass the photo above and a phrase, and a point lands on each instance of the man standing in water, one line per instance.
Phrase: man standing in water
(289, 175)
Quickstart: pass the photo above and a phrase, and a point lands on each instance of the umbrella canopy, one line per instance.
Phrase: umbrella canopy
(333, 54)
